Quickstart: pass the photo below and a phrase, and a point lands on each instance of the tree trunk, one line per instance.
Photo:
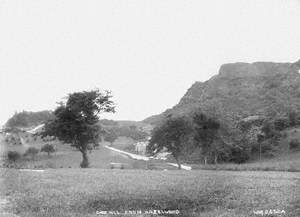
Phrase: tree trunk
(85, 159)
(216, 159)
(178, 163)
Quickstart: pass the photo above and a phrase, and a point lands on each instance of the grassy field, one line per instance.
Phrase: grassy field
(287, 162)
(65, 157)
(83, 192)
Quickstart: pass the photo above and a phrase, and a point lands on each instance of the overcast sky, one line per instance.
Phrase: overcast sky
(148, 53)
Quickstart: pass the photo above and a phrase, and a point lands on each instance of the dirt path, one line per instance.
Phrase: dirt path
(140, 157)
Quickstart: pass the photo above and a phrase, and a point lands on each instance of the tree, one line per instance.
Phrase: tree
(172, 135)
(48, 148)
(75, 121)
(110, 136)
(32, 152)
(293, 116)
(206, 130)
(281, 123)
(13, 156)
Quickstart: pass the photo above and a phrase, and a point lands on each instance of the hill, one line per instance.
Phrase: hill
(27, 119)
(136, 125)
(241, 90)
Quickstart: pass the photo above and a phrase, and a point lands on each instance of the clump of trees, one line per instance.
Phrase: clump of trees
(291, 119)
(13, 156)
(178, 135)
(76, 120)
(129, 131)
(31, 152)
(172, 135)
(13, 139)
(48, 148)
(264, 138)
(206, 136)
(294, 144)
(110, 136)
(217, 141)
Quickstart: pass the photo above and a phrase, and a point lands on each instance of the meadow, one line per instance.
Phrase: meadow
(289, 162)
(83, 192)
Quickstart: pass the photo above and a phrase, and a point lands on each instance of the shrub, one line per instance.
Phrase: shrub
(48, 148)
(50, 165)
(294, 144)
(32, 152)
(13, 156)
(281, 124)
(293, 118)
(239, 155)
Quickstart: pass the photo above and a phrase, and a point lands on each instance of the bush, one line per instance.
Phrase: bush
(32, 152)
(48, 148)
(281, 124)
(293, 118)
(294, 144)
(13, 156)
(239, 155)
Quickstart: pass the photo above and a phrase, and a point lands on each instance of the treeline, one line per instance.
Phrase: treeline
(216, 141)
(28, 119)
(265, 135)
(113, 130)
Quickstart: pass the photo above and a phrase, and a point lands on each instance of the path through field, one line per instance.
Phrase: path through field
(141, 157)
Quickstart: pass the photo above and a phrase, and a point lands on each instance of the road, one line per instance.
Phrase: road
(140, 157)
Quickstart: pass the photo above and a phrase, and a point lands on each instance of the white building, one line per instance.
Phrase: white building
(140, 147)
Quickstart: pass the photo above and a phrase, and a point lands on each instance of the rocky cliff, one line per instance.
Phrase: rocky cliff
(240, 90)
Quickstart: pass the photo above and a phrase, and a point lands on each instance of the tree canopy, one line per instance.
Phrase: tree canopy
(206, 134)
(48, 148)
(76, 120)
(110, 136)
(172, 135)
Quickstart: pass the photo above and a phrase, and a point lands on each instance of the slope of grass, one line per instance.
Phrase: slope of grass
(66, 157)
(286, 162)
(83, 192)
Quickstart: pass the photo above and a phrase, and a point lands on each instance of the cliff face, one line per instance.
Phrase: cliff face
(241, 90)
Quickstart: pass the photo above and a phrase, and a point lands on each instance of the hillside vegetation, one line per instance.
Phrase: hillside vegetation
(254, 103)
(241, 90)
(27, 119)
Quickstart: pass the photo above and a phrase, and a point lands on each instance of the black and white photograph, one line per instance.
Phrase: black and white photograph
(150, 108)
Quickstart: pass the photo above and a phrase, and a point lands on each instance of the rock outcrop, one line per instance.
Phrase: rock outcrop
(241, 90)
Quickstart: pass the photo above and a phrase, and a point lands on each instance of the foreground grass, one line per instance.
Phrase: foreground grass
(77, 192)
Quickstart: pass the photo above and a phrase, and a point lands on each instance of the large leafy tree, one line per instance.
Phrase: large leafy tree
(76, 120)
(172, 135)
(206, 135)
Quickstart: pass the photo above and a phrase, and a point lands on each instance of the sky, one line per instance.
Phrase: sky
(147, 52)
